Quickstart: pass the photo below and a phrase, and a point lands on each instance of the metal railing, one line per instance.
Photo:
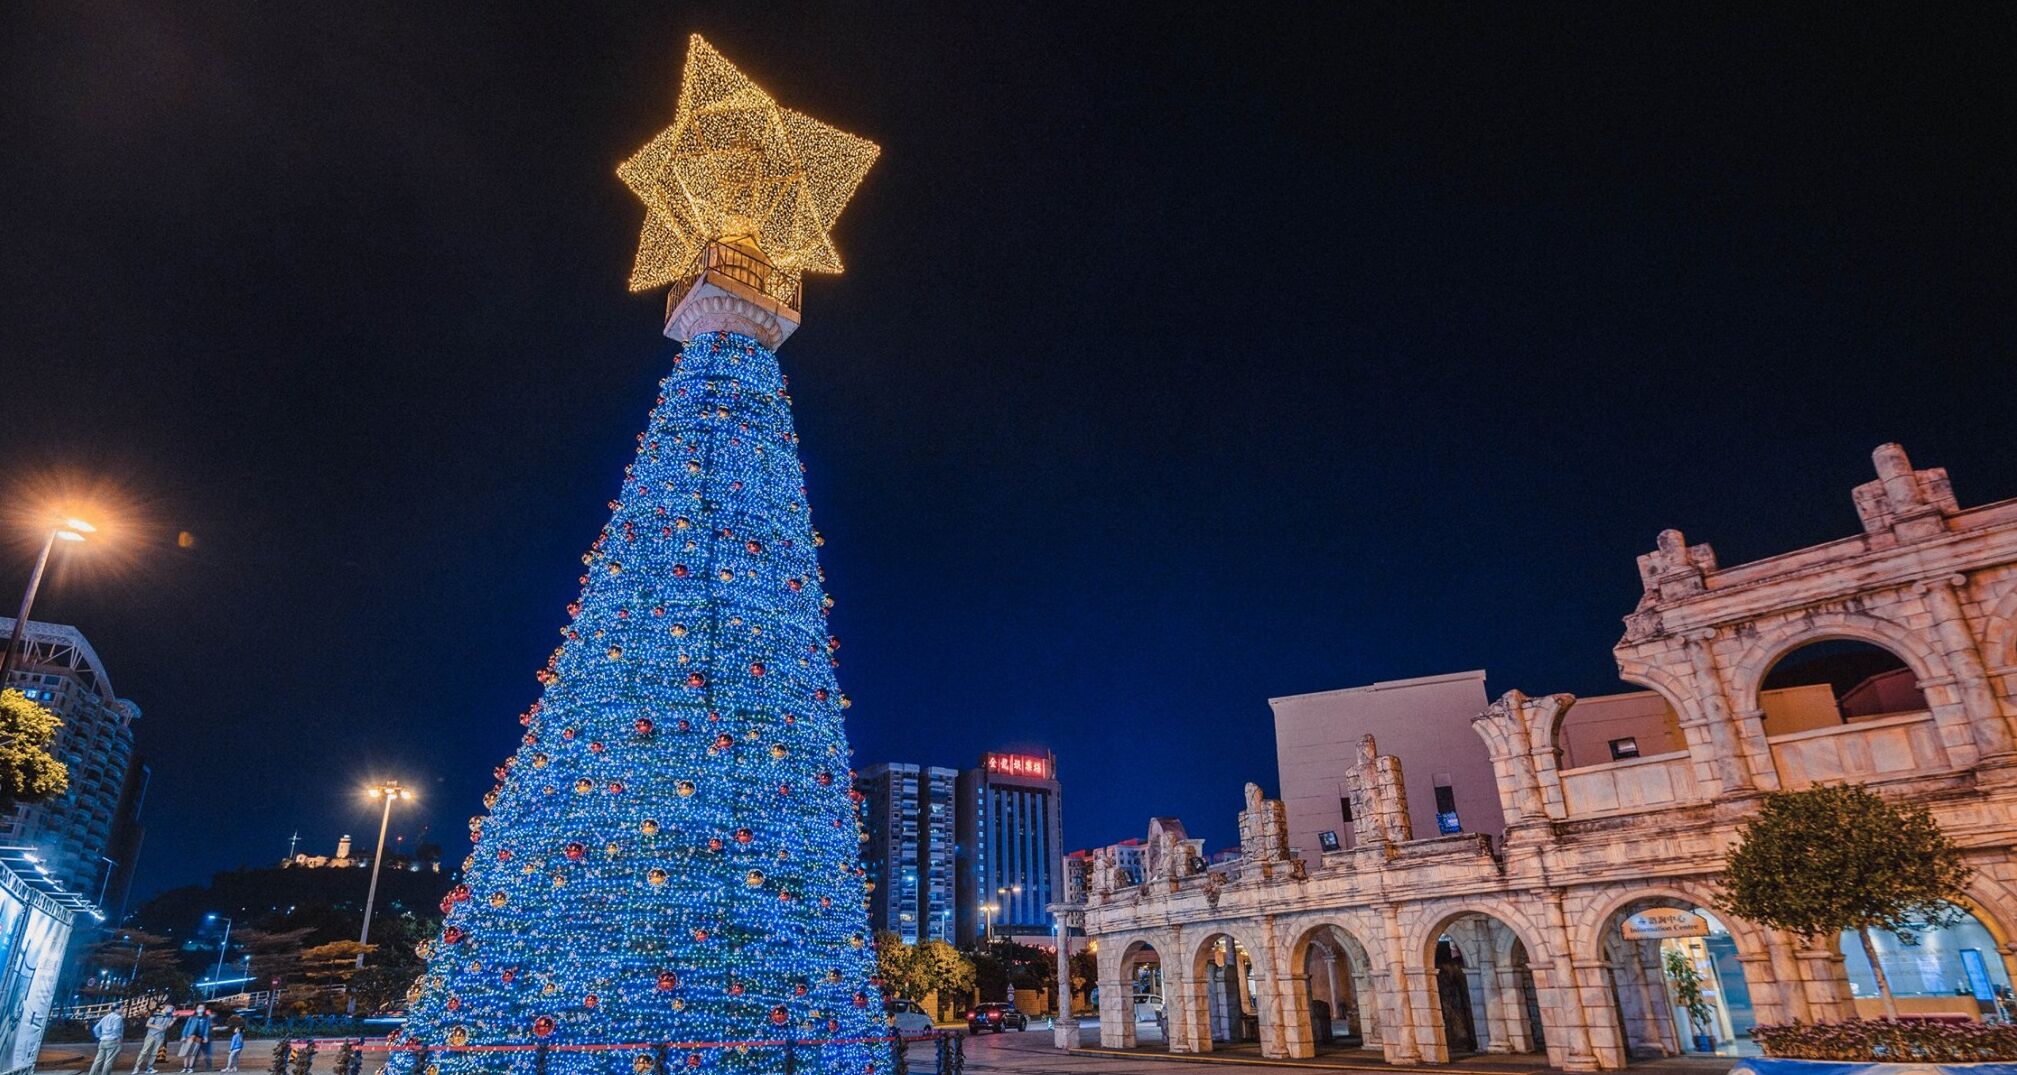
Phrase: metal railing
(745, 267)
(298, 1056)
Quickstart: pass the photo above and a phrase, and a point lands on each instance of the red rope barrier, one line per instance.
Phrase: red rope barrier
(589, 1047)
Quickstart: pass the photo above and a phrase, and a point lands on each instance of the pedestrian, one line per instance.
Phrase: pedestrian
(157, 1033)
(195, 1035)
(237, 1045)
(111, 1031)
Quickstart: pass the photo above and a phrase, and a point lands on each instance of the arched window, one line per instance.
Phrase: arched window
(1836, 681)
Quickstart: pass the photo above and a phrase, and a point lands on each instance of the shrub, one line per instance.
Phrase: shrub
(1890, 1041)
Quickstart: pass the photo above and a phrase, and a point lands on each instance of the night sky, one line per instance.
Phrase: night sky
(1182, 360)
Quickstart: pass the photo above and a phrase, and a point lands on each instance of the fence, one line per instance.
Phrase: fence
(300, 1056)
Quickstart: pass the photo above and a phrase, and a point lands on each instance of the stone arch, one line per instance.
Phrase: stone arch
(1349, 985)
(1640, 1018)
(1119, 1015)
(1774, 641)
(1657, 679)
(1464, 998)
(1999, 632)
(1220, 1002)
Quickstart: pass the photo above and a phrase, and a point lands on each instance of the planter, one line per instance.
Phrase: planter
(1705, 1043)
(1769, 1066)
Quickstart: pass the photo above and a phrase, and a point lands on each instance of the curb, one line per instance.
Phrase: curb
(1319, 1065)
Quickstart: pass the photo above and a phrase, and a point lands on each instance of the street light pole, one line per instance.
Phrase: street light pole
(71, 530)
(218, 975)
(387, 790)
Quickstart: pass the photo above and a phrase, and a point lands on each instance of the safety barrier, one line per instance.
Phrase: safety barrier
(296, 1056)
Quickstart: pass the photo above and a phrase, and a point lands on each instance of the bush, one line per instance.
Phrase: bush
(1901, 1041)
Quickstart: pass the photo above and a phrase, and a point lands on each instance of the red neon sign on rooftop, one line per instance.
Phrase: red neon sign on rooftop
(1019, 765)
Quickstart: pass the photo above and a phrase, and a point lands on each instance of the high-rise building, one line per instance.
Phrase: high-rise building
(1011, 847)
(75, 833)
(907, 811)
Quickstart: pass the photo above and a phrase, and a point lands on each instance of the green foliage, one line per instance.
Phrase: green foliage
(920, 970)
(896, 963)
(1085, 968)
(1688, 988)
(1840, 857)
(950, 973)
(29, 773)
(1891, 1041)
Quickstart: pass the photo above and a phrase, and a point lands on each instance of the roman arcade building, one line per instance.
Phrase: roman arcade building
(1558, 937)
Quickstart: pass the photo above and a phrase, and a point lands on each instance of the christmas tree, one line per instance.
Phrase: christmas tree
(668, 871)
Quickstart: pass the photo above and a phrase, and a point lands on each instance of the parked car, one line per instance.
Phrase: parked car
(996, 1017)
(907, 1016)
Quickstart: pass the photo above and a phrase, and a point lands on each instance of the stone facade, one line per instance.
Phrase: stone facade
(1524, 933)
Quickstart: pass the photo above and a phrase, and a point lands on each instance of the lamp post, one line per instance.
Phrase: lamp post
(988, 910)
(217, 975)
(1009, 891)
(387, 790)
(71, 530)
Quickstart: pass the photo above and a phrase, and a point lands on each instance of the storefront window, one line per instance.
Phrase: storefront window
(1957, 961)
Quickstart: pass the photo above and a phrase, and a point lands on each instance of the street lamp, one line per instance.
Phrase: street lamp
(1010, 891)
(69, 530)
(989, 909)
(217, 975)
(387, 790)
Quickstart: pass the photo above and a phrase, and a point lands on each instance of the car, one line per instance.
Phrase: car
(907, 1017)
(996, 1017)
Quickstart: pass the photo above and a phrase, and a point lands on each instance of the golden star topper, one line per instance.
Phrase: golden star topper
(735, 168)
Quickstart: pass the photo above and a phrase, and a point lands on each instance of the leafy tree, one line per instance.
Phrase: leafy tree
(150, 959)
(1085, 969)
(897, 964)
(945, 972)
(1835, 858)
(29, 773)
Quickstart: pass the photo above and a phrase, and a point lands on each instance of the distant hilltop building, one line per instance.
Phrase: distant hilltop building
(87, 838)
(424, 859)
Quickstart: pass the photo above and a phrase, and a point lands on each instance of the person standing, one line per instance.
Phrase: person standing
(195, 1037)
(111, 1031)
(237, 1045)
(157, 1033)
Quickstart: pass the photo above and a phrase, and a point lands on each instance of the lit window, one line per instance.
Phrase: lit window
(1446, 811)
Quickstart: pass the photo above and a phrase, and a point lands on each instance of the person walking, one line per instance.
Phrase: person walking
(195, 1036)
(157, 1034)
(111, 1031)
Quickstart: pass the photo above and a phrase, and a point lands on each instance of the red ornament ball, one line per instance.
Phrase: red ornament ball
(743, 836)
(543, 1025)
(576, 852)
(452, 935)
(590, 1001)
(643, 726)
(667, 981)
(696, 680)
(779, 1016)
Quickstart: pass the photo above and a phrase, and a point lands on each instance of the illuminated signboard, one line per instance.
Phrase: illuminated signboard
(1663, 922)
(1019, 765)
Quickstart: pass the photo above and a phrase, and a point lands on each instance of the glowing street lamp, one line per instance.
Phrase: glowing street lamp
(387, 790)
(216, 976)
(71, 529)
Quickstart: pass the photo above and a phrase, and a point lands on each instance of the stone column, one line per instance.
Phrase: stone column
(1825, 979)
(1117, 1017)
(1597, 1013)
(1400, 1040)
(1512, 996)
(1187, 1011)
(1479, 982)
(1366, 1001)
(1571, 1003)
(1065, 1030)
(1727, 739)
(1989, 730)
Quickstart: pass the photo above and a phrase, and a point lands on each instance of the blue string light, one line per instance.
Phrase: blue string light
(671, 855)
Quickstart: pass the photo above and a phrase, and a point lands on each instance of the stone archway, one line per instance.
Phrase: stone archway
(1478, 990)
(1641, 959)
(1132, 994)
(1221, 1003)
(1338, 998)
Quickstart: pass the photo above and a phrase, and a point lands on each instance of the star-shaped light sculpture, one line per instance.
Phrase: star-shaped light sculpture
(735, 168)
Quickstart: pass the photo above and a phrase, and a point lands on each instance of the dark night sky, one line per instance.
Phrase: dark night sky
(1182, 360)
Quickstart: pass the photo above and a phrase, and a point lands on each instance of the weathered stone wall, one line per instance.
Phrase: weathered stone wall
(1933, 583)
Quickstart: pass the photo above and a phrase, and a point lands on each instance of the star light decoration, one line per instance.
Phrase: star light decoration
(735, 168)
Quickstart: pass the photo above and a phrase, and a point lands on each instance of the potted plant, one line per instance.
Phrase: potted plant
(1688, 990)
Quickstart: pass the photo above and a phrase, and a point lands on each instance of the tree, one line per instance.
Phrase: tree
(899, 967)
(144, 962)
(672, 854)
(29, 772)
(1836, 858)
(1085, 969)
(945, 972)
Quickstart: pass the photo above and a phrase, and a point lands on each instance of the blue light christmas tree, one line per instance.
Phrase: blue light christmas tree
(668, 874)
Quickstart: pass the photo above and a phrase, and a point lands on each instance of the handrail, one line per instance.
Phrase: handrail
(744, 267)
